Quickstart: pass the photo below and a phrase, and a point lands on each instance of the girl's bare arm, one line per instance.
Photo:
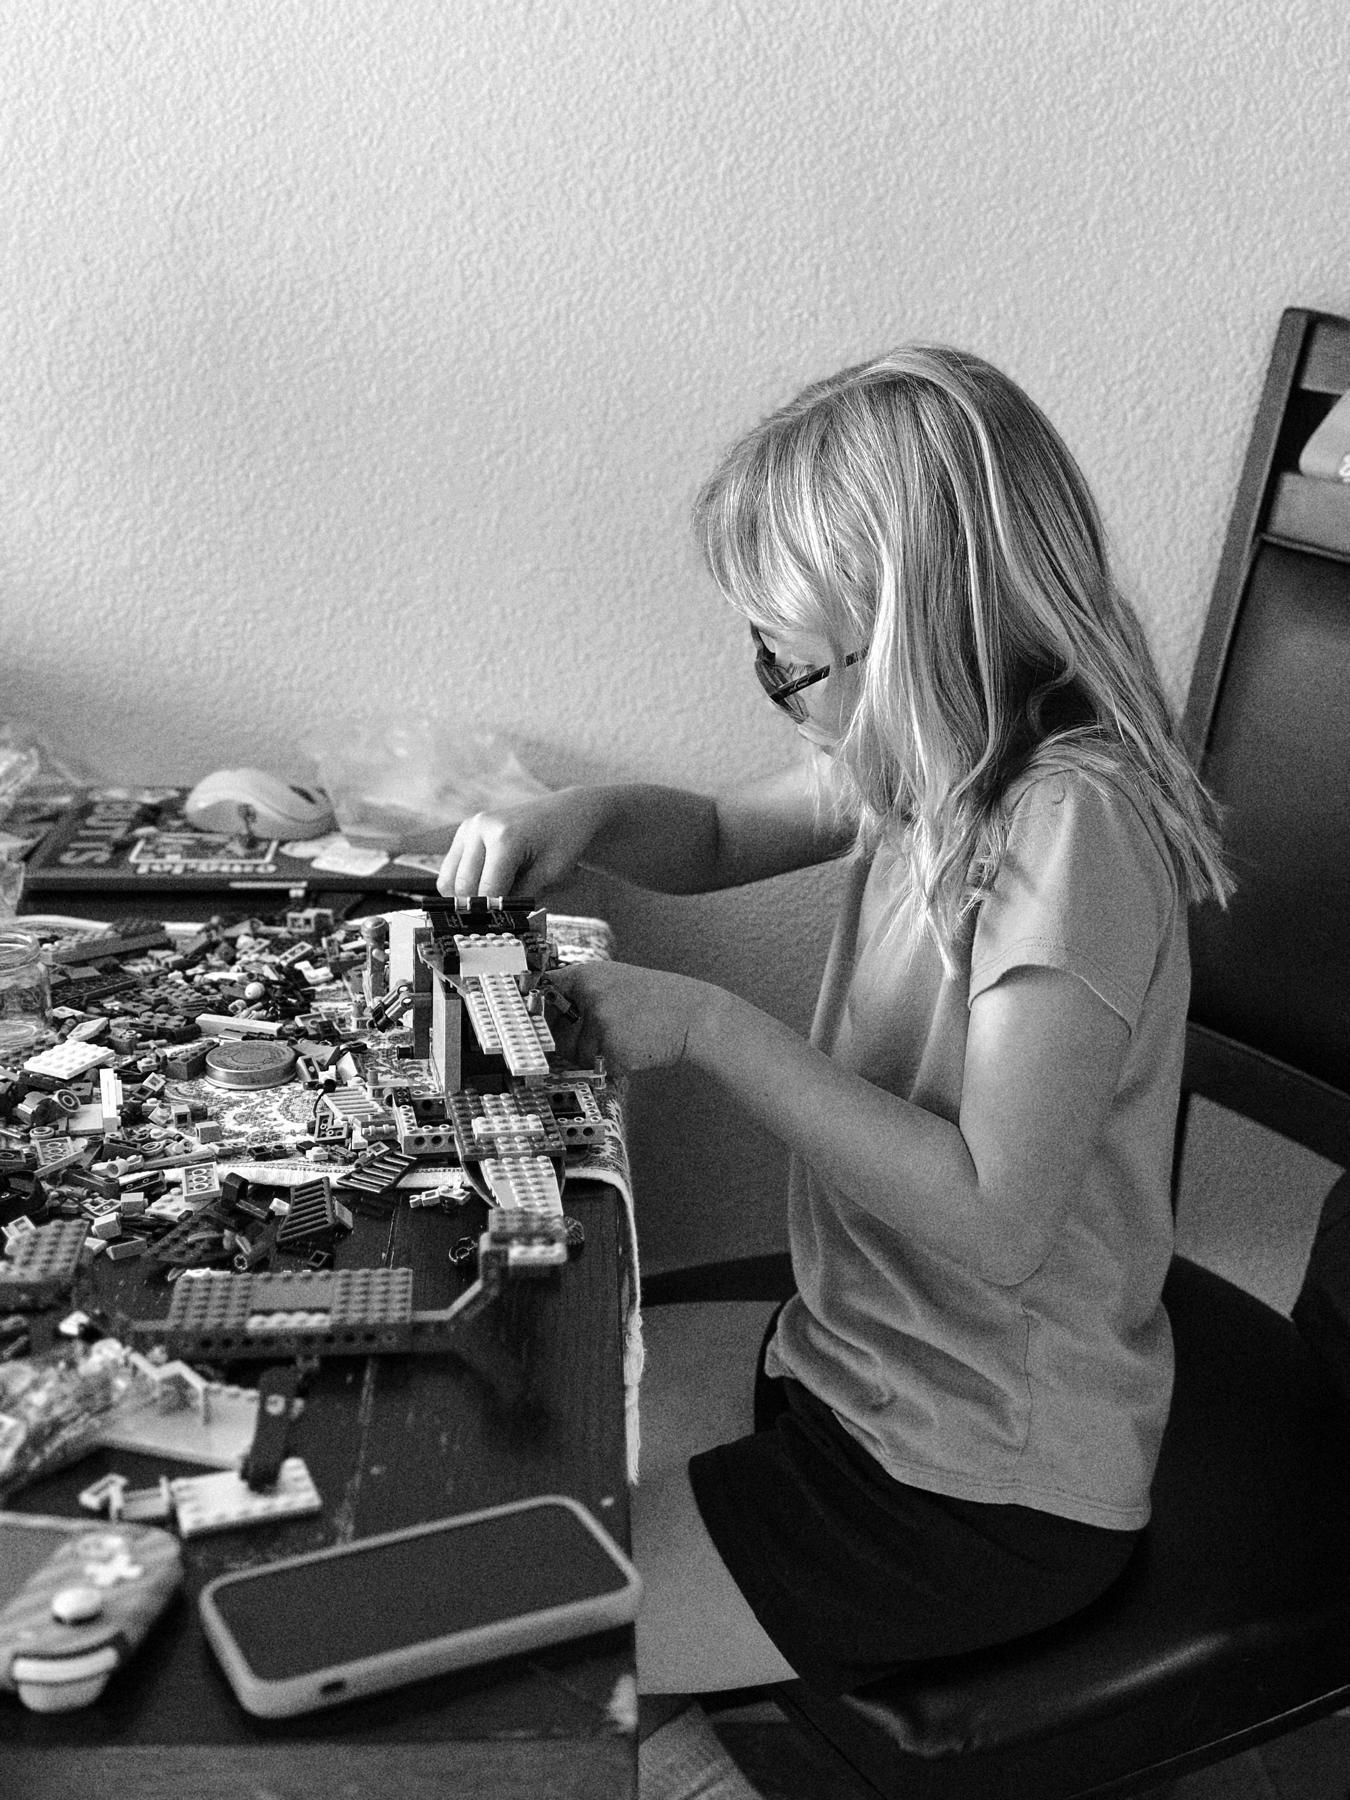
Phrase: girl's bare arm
(664, 838)
(1043, 1058)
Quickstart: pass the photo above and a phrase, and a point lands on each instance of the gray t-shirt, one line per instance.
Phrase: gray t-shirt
(1051, 1392)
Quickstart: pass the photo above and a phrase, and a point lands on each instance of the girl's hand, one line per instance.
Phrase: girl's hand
(635, 1018)
(522, 849)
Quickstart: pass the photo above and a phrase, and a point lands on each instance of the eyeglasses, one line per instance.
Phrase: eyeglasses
(783, 682)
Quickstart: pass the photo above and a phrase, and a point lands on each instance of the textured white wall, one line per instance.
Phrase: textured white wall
(365, 359)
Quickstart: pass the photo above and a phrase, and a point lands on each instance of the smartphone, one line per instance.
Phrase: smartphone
(316, 1630)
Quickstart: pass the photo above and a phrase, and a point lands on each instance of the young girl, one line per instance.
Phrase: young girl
(958, 1412)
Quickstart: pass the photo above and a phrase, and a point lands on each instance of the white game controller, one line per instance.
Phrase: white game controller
(75, 1602)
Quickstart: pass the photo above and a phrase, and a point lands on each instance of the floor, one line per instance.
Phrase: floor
(1312, 1764)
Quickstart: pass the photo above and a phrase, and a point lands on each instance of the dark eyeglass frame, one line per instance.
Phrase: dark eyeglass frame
(785, 693)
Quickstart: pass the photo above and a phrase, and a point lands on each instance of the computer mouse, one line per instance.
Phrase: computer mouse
(255, 804)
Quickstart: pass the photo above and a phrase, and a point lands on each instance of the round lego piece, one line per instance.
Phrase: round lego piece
(250, 1065)
(76, 1605)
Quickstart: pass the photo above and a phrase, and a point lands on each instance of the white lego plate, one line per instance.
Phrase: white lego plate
(67, 1061)
(220, 1440)
(220, 1502)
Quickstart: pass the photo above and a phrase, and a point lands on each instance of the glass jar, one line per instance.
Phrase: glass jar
(24, 990)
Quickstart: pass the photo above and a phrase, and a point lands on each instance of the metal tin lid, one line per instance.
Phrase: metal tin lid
(250, 1065)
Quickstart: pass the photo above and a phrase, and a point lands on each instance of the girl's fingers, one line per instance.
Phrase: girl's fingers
(469, 875)
(503, 867)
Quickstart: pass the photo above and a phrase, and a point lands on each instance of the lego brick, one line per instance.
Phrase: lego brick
(444, 1035)
(523, 1242)
(353, 1105)
(520, 1044)
(189, 1063)
(351, 1312)
(200, 1181)
(98, 988)
(233, 1025)
(482, 913)
(110, 1100)
(417, 1137)
(420, 1022)
(294, 1290)
(516, 1121)
(578, 1116)
(206, 1503)
(327, 1128)
(376, 1177)
(58, 1153)
(90, 946)
(315, 1219)
(211, 1303)
(68, 1060)
(41, 1265)
(405, 930)
(542, 1033)
(490, 954)
(369, 1297)
(483, 1022)
(87, 1031)
(524, 1183)
(147, 1503)
(196, 1240)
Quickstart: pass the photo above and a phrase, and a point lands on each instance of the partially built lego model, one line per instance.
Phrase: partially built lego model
(482, 1088)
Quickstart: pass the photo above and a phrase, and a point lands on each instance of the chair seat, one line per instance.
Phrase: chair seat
(1235, 1608)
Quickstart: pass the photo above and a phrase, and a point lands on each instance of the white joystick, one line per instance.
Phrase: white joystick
(76, 1605)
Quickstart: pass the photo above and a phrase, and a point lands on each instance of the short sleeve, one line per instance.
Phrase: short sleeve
(1085, 886)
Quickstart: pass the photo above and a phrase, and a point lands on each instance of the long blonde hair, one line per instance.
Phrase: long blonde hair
(924, 506)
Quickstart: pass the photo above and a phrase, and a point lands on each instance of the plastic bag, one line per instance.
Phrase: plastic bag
(36, 783)
(405, 788)
(34, 776)
(51, 1406)
(20, 766)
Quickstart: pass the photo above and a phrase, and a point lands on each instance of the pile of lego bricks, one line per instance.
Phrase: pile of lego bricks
(108, 1126)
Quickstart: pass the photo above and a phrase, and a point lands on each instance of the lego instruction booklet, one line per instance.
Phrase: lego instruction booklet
(137, 840)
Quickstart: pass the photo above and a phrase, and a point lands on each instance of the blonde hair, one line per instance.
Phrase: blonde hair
(922, 505)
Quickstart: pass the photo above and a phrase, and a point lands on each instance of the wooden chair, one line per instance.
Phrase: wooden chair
(1231, 1624)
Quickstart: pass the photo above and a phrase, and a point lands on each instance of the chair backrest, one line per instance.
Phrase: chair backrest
(1268, 722)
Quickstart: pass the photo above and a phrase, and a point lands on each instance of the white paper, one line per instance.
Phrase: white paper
(342, 858)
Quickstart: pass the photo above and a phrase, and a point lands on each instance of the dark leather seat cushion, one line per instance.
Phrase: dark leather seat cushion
(1241, 1581)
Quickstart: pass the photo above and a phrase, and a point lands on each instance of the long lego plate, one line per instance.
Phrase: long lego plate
(521, 1048)
(525, 1183)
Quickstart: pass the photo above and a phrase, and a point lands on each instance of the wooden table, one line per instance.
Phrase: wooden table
(389, 1441)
